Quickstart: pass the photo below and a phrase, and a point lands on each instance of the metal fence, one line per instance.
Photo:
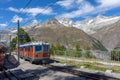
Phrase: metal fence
(106, 58)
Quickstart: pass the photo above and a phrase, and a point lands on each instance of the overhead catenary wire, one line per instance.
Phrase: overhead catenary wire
(49, 6)
(26, 5)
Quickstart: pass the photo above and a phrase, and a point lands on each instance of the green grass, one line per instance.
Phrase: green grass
(116, 71)
(92, 66)
(87, 65)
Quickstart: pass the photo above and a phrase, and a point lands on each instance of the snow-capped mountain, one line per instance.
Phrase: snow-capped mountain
(66, 22)
(90, 25)
(30, 26)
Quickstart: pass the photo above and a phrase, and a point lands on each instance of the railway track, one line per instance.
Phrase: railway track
(19, 74)
(16, 74)
(71, 70)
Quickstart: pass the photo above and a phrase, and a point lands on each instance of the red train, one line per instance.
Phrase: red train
(35, 52)
(3, 50)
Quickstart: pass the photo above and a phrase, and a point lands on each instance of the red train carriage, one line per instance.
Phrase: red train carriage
(3, 50)
(1, 61)
(35, 52)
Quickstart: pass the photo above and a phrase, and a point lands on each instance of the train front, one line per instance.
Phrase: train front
(36, 52)
(42, 53)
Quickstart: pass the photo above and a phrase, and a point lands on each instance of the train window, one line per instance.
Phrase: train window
(46, 48)
(26, 49)
(38, 48)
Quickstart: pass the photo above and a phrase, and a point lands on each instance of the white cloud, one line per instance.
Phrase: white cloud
(13, 9)
(34, 21)
(79, 1)
(84, 8)
(3, 25)
(109, 3)
(16, 18)
(69, 3)
(33, 11)
(36, 11)
(65, 3)
(106, 5)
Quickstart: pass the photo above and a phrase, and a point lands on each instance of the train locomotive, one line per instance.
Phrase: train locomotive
(35, 52)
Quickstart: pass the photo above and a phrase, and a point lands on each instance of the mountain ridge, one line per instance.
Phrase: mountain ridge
(92, 25)
(55, 33)
(109, 36)
(55, 23)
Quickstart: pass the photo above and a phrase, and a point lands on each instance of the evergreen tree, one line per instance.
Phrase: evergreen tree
(88, 53)
(24, 37)
(52, 49)
(78, 52)
(13, 43)
(77, 47)
(115, 55)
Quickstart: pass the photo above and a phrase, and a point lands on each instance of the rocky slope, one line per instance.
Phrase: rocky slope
(109, 36)
(55, 33)
(4, 36)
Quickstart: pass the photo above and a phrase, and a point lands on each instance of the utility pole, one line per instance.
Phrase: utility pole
(0, 37)
(18, 41)
(10, 45)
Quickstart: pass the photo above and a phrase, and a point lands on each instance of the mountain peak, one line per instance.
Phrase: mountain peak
(52, 21)
(100, 16)
(65, 21)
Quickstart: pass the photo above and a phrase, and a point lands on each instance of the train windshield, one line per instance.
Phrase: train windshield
(46, 48)
(38, 48)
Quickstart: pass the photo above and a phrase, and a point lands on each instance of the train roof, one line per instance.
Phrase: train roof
(33, 44)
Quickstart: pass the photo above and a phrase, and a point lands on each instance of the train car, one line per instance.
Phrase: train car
(8, 67)
(35, 52)
(3, 50)
(1, 61)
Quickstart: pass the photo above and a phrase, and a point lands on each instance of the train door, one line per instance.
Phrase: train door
(20, 51)
(28, 52)
(38, 51)
(46, 52)
(31, 52)
(25, 53)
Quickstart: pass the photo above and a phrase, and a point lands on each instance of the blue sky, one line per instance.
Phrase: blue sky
(37, 11)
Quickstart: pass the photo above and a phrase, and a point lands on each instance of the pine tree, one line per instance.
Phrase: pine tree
(24, 37)
(78, 52)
